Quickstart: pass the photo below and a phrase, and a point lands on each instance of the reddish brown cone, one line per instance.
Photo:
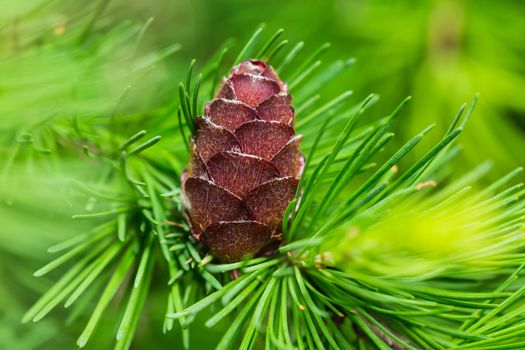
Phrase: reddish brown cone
(245, 164)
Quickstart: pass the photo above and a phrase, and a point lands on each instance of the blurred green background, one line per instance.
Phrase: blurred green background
(69, 57)
(440, 52)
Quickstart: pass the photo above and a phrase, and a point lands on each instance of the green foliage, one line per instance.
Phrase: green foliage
(442, 307)
(108, 171)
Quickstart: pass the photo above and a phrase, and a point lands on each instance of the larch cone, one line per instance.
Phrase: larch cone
(245, 164)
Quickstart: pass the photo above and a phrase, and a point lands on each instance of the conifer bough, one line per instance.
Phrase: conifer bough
(245, 164)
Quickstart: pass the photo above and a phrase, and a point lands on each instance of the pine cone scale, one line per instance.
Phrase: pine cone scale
(263, 138)
(268, 201)
(289, 160)
(240, 173)
(277, 108)
(230, 114)
(254, 89)
(231, 241)
(213, 139)
(210, 203)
